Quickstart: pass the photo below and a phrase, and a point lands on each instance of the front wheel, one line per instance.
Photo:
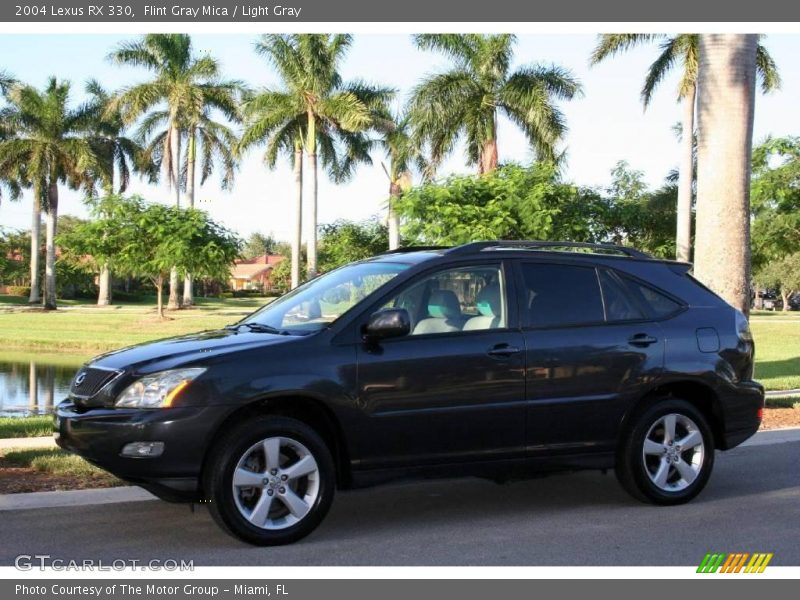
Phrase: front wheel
(270, 480)
(667, 455)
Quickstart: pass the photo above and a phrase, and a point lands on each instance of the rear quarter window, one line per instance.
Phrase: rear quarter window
(657, 304)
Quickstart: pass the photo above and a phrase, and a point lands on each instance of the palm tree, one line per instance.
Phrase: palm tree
(273, 119)
(11, 180)
(215, 144)
(330, 114)
(467, 99)
(184, 87)
(682, 49)
(52, 140)
(404, 154)
(121, 155)
(725, 106)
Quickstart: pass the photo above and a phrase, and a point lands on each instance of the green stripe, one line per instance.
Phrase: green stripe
(701, 568)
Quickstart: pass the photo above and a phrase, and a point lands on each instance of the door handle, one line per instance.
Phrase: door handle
(503, 351)
(642, 340)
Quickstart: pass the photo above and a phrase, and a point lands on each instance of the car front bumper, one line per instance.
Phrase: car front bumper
(99, 435)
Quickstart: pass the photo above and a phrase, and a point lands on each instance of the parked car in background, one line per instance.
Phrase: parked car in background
(492, 359)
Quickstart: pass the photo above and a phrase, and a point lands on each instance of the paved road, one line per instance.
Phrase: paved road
(751, 504)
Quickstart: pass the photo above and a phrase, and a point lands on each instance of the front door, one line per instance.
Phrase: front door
(453, 389)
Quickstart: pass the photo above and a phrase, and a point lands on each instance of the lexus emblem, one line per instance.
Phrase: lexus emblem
(80, 378)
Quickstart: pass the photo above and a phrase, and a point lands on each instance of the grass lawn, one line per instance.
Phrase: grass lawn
(21, 427)
(86, 329)
(777, 354)
(49, 469)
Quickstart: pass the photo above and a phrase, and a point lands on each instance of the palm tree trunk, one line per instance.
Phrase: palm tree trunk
(36, 237)
(51, 223)
(683, 234)
(394, 218)
(311, 154)
(33, 389)
(191, 159)
(49, 388)
(104, 284)
(298, 214)
(726, 97)
(174, 301)
(175, 162)
(488, 158)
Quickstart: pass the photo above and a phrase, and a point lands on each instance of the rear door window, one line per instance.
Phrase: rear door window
(560, 295)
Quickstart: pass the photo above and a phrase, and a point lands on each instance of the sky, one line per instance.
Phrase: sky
(606, 125)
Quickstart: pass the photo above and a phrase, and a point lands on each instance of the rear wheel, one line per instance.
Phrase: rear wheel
(667, 455)
(270, 480)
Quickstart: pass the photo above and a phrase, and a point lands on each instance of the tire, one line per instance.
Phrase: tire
(660, 472)
(290, 495)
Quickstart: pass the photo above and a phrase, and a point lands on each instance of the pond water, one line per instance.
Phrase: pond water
(29, 386)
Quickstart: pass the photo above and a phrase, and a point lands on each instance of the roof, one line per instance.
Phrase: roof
(575, 249)
(262, 259)
(249, 271)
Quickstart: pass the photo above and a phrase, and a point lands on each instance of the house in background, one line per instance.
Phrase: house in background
(254, 273)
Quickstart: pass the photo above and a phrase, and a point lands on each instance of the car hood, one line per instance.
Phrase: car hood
(175, 351)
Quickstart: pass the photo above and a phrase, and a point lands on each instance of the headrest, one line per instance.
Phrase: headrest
(443, 304)
(489, 301)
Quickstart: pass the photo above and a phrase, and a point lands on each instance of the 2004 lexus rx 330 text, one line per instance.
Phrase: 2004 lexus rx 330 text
(492, 359)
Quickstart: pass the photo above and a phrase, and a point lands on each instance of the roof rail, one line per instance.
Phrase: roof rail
(404, 249)
(548, 245)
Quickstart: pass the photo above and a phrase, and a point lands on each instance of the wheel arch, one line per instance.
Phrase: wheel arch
(697, 393)
(305, 408)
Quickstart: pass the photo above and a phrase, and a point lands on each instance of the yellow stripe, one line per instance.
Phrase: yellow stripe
(766, 562)
(753, 560)
(757, 564)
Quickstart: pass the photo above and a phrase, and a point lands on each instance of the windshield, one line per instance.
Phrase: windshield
(318, 303)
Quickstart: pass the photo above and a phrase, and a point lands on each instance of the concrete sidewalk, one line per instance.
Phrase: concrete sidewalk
(27, 443)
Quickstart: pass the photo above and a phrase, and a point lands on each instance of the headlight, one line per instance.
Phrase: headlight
(157, 390)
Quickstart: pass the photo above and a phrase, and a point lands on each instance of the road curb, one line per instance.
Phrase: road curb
(73, 498)
(782, 393)
(773, 436)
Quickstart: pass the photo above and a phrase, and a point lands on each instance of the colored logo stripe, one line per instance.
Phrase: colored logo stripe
(734, 562)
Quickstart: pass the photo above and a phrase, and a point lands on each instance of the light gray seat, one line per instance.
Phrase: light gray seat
(444, 314)
(490, 308)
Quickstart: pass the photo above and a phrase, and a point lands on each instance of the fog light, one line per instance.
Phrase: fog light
(143, 449)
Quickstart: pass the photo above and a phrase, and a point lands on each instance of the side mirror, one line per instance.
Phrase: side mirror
(387, 323)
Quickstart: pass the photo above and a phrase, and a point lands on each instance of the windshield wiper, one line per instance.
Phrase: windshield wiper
(257, 328)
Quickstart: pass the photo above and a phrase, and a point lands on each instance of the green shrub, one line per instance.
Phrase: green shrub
(18, 290)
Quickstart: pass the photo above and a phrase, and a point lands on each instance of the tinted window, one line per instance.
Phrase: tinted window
(657, 303)
(462, 299)
(619, 302)
(556, 295)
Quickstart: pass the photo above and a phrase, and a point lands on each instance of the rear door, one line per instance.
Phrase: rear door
(589, 351)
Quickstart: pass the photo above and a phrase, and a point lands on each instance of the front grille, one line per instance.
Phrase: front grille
(90, 380)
